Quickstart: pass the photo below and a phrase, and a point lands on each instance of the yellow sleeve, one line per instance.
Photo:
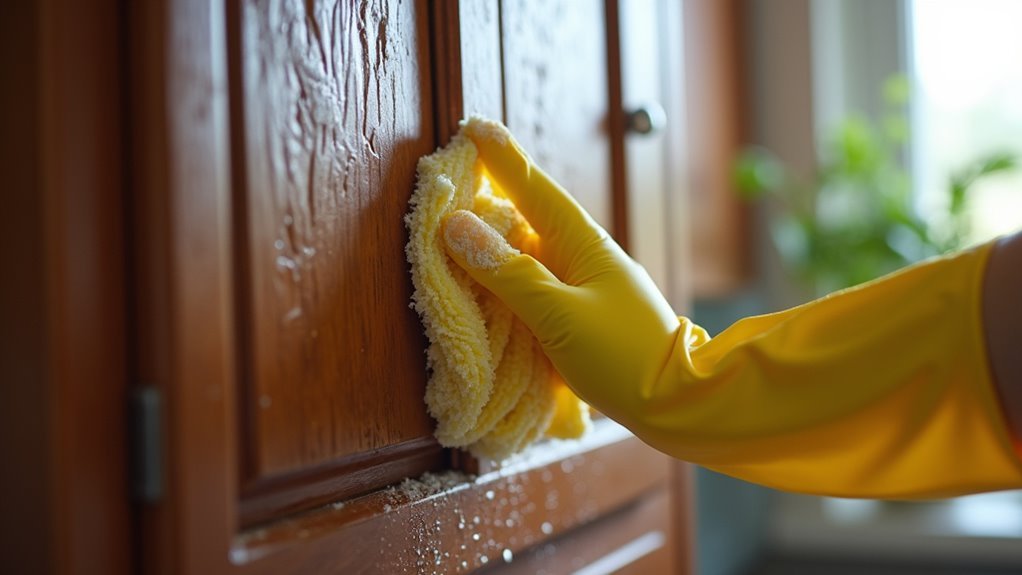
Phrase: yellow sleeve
(882, 390)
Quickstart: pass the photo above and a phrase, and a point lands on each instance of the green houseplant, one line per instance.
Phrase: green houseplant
(856, 218)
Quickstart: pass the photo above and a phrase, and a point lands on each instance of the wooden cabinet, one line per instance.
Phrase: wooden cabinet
(718, 129)
(333, 107)
(270, 150)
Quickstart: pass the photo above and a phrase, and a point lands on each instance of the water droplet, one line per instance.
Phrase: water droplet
(484, 559)
(309, 251)
(464, 564)
(288, 220)
(286, 263)
(475, 537)
(546, 528)
(510, 523)
(279, 244)
(489, 495)
(475, 520)
(507, 555)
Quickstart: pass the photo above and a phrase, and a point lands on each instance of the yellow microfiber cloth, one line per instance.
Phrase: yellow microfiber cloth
(491, 388)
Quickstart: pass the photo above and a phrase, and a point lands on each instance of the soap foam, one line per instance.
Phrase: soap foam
(476, 242)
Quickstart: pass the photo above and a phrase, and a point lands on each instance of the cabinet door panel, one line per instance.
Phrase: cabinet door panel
(633, 539)
(555, 71)
(452, 523)
(333, 112)
(645, 156)
(297, 439)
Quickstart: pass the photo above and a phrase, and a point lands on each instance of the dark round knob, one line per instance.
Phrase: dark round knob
(647, 119)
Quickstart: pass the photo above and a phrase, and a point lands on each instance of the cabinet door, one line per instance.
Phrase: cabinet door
(277, 142)
(720, 238)
(556, 65)
(333, 108)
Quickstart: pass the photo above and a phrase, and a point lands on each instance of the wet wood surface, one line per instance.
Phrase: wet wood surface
(556, 93)
(273, 290)
(452, 523)
(336, 109)
(635, 539)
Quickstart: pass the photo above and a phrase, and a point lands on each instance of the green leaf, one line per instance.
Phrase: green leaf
(959, 186)
(897, 89)
(1000, 162)
(757, 171)
(856, 217)
(896, 128)
(858, 149)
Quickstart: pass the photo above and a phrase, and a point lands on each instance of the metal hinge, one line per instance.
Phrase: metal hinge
(145, 412)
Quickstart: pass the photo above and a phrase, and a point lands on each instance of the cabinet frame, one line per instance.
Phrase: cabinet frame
(184, 331)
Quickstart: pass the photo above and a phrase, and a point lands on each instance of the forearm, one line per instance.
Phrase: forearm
(879, 391)
(1002, 319)
(884, 390)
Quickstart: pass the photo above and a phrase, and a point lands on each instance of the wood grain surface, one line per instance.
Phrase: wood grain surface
(337, 109)
(556, 96)
(275, 146)
(457, 524)
(717, 131)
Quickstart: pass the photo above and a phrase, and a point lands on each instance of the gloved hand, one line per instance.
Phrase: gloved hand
(877, 391)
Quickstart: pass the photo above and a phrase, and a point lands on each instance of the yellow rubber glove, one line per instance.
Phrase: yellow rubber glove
(877, 391)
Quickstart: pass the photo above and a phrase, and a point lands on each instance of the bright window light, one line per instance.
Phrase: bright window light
(967, 67)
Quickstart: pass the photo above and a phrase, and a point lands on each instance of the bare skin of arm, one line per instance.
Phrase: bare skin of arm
(1002, 319)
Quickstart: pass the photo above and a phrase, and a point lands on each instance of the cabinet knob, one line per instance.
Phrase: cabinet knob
(646, 119)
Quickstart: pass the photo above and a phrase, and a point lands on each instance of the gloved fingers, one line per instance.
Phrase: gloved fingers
(563, 224)
(524, 284)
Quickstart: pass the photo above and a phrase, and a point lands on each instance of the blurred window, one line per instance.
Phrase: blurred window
(966, 62)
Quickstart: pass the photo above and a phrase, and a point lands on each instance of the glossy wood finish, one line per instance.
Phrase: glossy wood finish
(237, 501)
(336, 111)
(716, 133)
(457, 523)
(556, 93)
(277, 497)
(62, 434)
(642, 84)
(467, 60)
(183, 324)
(683, 507)
(632, 540)
(226, 122)
(677, 142)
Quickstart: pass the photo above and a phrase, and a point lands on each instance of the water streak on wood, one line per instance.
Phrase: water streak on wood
(334, 125)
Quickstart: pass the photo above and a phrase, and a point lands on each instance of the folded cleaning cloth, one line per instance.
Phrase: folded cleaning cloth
(491, 389)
